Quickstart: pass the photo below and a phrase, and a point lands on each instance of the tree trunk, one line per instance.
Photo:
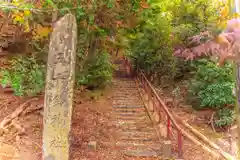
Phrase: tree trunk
(237, 74)
(59, 89)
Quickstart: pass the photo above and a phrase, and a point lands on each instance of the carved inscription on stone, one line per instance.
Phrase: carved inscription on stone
(59, 89)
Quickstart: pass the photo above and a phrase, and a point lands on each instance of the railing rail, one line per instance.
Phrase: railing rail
(160, 107)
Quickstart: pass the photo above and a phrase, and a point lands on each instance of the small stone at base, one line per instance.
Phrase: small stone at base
(92, 145)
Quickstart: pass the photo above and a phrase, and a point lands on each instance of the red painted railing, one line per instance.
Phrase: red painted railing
(174, 132)
(159, 107)
(157, 102)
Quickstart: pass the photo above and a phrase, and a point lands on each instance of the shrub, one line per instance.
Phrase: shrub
(211, 86)
(224, 117)
(192, 17)
(150, 44)
(25, 76)
(183, 69)
(97, 72)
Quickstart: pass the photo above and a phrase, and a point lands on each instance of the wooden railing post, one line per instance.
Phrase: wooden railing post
(154, 103)
(180, 154)
(168, 127)
(149, 93)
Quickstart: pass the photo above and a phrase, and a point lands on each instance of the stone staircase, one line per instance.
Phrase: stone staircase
(135, 133)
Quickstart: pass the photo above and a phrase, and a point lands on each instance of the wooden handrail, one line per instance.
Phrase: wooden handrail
(161, 101)
(173, 122)
(177, 127)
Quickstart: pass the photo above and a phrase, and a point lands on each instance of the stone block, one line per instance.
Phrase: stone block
(92, 145)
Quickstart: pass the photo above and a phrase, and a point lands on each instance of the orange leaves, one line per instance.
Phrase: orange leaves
(18, 17)
(41, 31)
(119, 24)
(38, 4)
(224, 12)
(144, 4)
(222, 40)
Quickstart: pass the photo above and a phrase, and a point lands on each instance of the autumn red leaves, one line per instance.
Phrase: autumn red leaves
(225, 46)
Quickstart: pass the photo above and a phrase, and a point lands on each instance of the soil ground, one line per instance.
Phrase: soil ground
(90, 122)
(200, 120)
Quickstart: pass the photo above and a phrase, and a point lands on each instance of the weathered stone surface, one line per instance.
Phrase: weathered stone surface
(156, 117)
(92, 145)
(150, 106)
(49, 158)
(59, 89)
(140, 153)
(167, 149)
(135, 134)
(8, 152)
(162, 128)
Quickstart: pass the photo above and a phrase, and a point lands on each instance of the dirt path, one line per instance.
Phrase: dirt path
(90, 123)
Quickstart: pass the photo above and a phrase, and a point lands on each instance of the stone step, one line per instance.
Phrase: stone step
(132, 120)
(126, 100)
(123, 80)
(136, 121)
(127, 103)
(131, 123)
(125, 89)
(128, 86)
(130, 107)
(122, 118)
(140, 153)
(130, 110)
(135, 129)
(138, 139)
(133, 111)
(121, 92)
(138, 136)
(129, 114)
(153, 145)
(139, 119)
(139, 127)
(127, 95)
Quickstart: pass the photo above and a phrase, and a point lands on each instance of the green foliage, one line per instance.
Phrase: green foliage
(224, 117)
(183, 69)
(149, 42)
(25, 76)
(192, 17)
(97, 20)
(97, 71)
(164, 25)
(211, 86)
